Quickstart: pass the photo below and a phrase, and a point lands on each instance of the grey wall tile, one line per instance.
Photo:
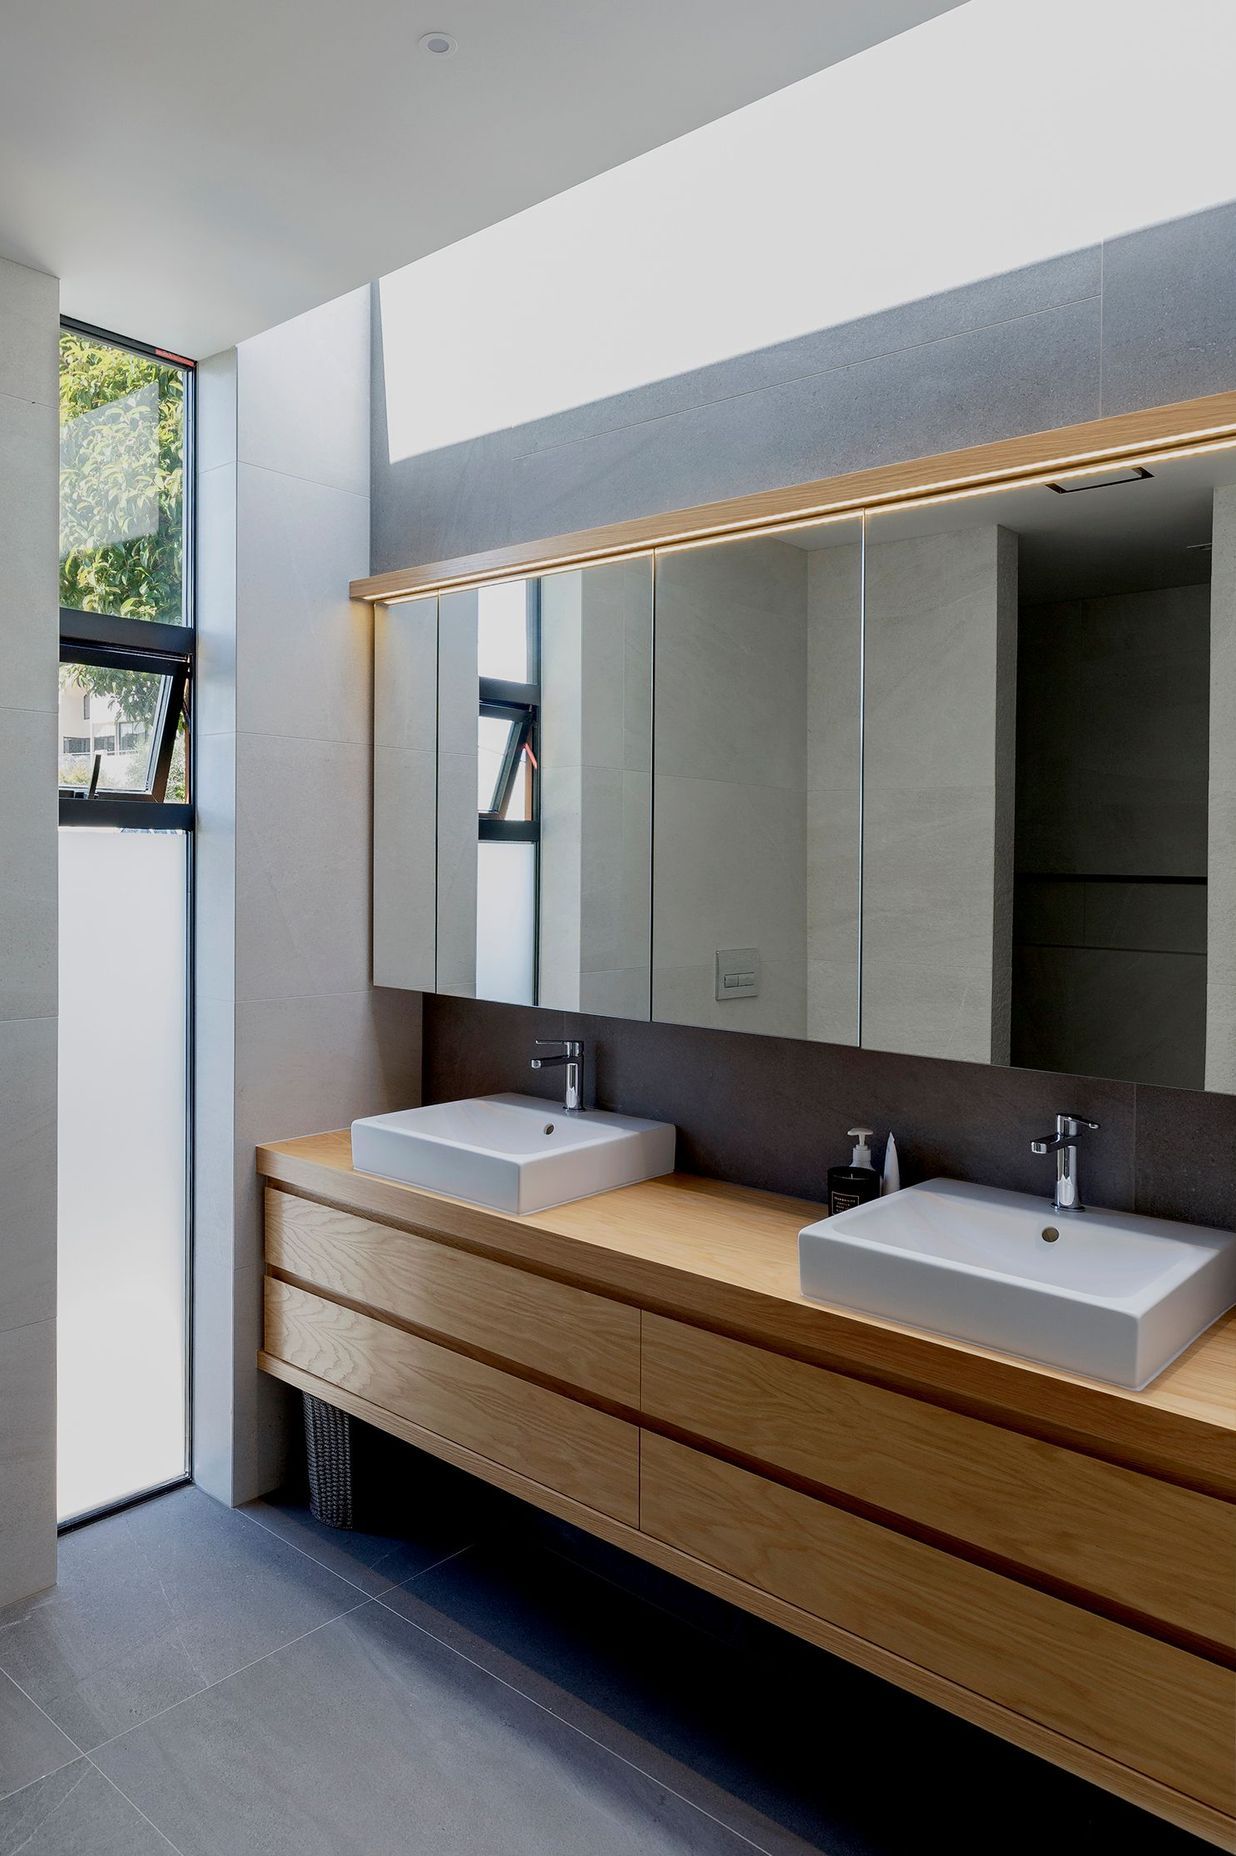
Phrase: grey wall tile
(303, 825)
(1169, 312)
(972, 306)
(29, 310)
(304, 650)
(1186, 1155)
(27, 1172)
(29, 549)
(1020, 376)
(27, 1462)
(303, 395)
(772, 1112)
(28, 890)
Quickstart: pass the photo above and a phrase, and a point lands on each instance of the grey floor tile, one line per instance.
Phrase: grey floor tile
(373, 1561)
(76, 1812)
(155, 1604)
(30, 1744)
(769, 1735)
(368, 1738)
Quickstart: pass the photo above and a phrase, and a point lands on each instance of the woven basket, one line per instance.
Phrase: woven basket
(329, 1460)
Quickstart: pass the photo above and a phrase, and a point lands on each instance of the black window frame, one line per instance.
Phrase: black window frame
(520, 705)
(147, 645)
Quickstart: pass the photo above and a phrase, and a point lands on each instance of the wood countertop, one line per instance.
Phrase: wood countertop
(725, 1257)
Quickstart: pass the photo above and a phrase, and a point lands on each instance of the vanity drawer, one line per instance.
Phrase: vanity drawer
(1145, 1545)
(559, 1331)
(1157, 1708)
(583, 1453)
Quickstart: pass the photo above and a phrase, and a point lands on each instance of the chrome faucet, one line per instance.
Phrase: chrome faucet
(1064, 1145)
(572, 1055)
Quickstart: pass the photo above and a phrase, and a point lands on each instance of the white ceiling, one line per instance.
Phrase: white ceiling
(195, 173)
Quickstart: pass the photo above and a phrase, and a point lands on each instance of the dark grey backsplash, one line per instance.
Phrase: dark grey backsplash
(1138, 321)
(773, 1112)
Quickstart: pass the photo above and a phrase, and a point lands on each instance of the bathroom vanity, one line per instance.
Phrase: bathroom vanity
(1051, 1558)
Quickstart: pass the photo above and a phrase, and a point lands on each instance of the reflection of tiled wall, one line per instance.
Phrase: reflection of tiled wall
(29, 458)
(730, 783)
(1140, 321)
(1221, 912)
(1110, 975)
(940, 661)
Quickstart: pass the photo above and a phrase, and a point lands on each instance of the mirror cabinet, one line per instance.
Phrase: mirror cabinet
(953, 776)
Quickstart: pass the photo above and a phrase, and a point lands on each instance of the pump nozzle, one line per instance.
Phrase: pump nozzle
(862, 1151)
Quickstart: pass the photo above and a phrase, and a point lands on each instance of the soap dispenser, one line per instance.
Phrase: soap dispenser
(855, 1184)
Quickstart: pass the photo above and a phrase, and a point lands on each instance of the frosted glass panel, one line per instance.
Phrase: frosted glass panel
(122, 1242)
(503, 635)
(505, 922)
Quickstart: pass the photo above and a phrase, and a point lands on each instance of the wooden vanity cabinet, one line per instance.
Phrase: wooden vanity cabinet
(644, 1365)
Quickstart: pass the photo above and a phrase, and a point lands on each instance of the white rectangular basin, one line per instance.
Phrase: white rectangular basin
(1109, 1295)
(512, 1153)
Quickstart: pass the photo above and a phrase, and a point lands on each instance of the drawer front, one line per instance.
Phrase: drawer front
(1159, 1709)
(1153, 1548)
(586, 1454)
(565, 1333)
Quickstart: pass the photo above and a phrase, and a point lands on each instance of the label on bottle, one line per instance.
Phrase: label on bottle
(843, 1202)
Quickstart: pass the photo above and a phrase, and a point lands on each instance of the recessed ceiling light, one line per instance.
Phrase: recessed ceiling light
(1099, 480)
(438, 44)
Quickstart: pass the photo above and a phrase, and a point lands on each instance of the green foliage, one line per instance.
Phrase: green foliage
(121, 507)
(121, 481)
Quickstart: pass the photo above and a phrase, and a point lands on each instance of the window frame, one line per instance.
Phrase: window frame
(170, 650)
(151, 646)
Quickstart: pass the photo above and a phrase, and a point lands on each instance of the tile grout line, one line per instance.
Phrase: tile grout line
(220, 1680)
(133, 1804)
(77, 1753)
(391, 1584)
(26, 1841)
(571, 1727)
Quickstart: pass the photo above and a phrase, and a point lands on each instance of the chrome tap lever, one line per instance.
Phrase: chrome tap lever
(570, 1052)
(1063, 1143)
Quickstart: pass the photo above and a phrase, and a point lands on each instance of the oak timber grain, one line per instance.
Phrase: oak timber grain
(1173, 1806)
(1128, 1696)
(1143, 1544)
(586, 1454)
(564, 1333)
(726, 1258)
(1119, 436)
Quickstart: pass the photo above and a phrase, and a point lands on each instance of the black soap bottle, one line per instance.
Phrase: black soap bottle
(853, 1185)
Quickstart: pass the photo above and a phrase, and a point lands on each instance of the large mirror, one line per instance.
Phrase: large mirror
(513, 809)
(1049, 764)
(757, 771)
(954, 777)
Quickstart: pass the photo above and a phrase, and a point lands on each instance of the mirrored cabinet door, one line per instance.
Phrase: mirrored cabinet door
(544, 791)
(756, 766)
(405, 794)
(1050, 694)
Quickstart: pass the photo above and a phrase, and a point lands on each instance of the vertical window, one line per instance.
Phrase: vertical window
(508, 789)
(125, 778)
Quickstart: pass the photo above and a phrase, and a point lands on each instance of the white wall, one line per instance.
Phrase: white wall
(994, 136)
(29, 487)
(291, 1036)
